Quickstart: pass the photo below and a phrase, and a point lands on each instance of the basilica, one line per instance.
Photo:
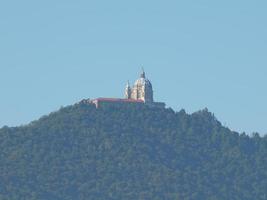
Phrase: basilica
(142, 90)
(140, 93)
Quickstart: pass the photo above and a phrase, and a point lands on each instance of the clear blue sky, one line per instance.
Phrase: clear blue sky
(197, 54)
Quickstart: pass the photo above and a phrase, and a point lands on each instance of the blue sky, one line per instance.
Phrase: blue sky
(197, 54)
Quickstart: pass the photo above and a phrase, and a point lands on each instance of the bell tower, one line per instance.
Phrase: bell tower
(128, 91)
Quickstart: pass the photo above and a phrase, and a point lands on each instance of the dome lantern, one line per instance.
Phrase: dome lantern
(143, 74)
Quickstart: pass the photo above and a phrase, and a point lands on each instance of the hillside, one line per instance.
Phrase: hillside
(130, 153)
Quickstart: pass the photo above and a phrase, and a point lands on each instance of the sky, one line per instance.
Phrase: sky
(197, 54)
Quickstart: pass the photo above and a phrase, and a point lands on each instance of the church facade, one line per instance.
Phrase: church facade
(140, 93)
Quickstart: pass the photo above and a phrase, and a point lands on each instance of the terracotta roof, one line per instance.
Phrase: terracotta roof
(118, 100)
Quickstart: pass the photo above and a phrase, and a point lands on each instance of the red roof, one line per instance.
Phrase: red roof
(118, 100)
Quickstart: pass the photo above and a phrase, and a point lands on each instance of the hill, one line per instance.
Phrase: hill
(130, 152)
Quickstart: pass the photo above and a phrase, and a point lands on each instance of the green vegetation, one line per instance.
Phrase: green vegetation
(130, 153)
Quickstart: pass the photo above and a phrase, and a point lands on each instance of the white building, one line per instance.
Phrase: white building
(140, 93)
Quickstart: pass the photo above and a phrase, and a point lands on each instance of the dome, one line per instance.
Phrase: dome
(143, 81)
(142, 89)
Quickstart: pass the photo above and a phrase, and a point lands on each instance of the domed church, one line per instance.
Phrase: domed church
(142, 90)
(140, 93)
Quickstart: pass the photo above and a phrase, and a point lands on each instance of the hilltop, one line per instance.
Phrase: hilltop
(130, 152)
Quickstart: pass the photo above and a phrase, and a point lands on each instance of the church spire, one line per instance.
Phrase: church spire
(128, 91)
(143, 74)
(128, 84)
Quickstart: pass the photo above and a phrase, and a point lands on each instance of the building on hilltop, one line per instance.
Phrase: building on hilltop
(140, 93)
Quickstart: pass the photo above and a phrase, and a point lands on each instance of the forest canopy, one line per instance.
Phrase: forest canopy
(130, 152)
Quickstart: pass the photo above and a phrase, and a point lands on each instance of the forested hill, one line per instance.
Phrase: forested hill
(130, 153)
